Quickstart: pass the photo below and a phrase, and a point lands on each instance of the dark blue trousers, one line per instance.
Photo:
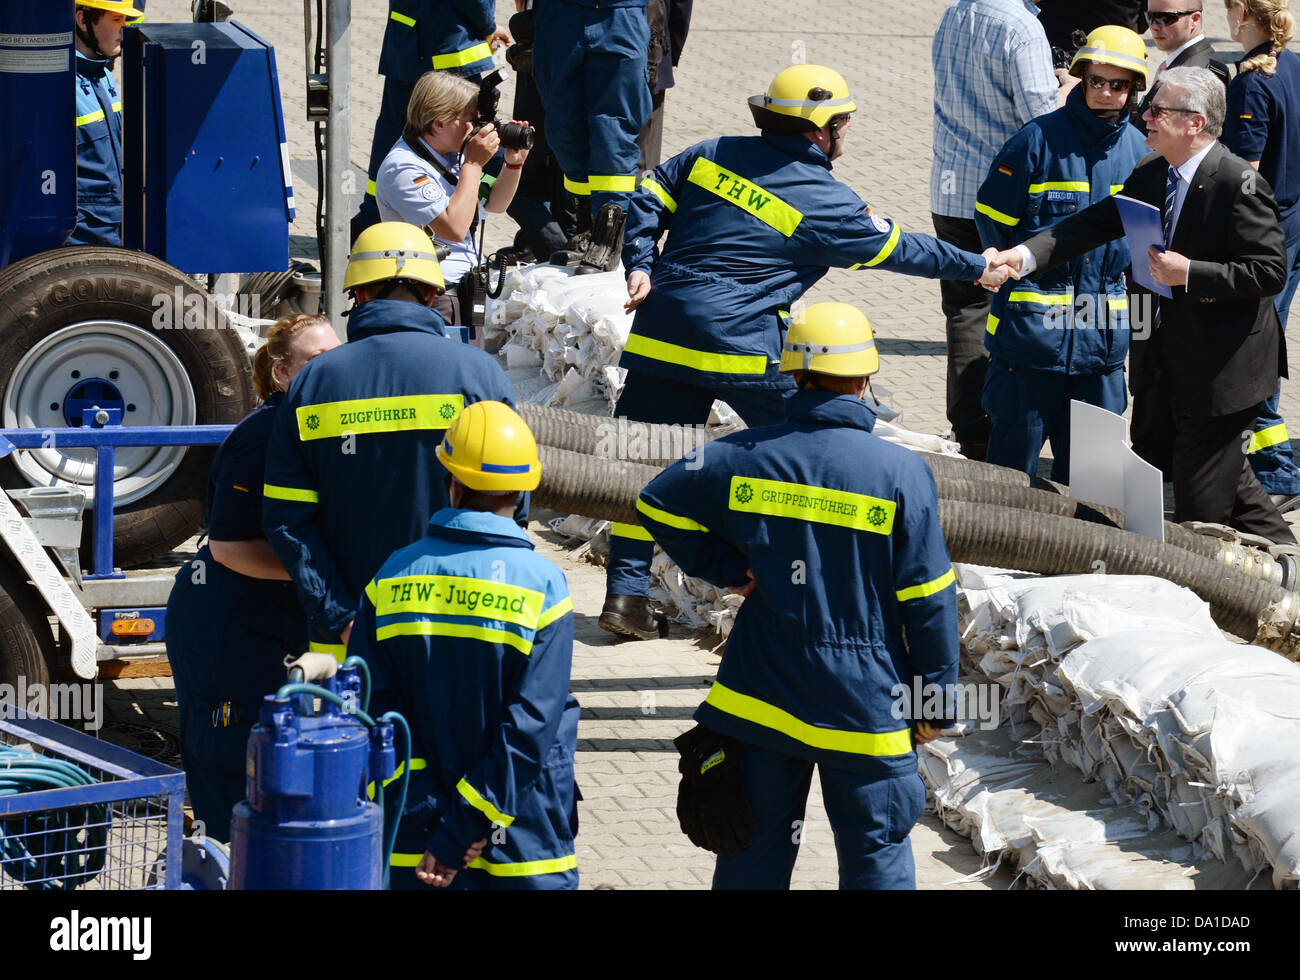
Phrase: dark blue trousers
(870, 817)
(647, 398)
(590, 67)
(1270, 453)
(1030, 407)
(227, 637)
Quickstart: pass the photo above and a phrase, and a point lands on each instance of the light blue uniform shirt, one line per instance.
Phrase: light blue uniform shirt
(408, 189)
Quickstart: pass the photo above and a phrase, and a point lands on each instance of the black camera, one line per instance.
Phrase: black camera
(1061, 57)
(520, 54)
(513, 135)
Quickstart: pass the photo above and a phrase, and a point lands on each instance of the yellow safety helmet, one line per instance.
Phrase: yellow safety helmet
(830, 338)
(393, 250)
(1113, 45)
(802, 99)
(114, 7)
(489, 447)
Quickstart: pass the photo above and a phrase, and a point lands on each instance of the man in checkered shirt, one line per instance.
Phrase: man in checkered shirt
(992, 74)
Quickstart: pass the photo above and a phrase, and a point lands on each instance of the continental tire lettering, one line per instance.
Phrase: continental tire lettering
(363, 416)
(820, 505)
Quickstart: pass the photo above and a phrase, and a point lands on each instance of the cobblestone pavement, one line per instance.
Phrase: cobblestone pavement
(637, 697)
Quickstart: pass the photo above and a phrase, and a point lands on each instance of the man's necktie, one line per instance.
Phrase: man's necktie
(1167, 224)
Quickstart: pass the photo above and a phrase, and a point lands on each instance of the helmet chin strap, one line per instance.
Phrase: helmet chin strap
(87, 37)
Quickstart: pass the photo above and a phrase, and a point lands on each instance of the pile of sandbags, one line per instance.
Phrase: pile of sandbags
(570, 328)
(1128, 681)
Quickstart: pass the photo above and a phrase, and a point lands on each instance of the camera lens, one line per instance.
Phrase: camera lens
(515, 136)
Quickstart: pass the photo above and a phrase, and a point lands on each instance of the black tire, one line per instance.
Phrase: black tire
(27, 648)
(57, 289)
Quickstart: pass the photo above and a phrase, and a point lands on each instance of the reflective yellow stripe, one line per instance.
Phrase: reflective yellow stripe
(888, 248)
(992, 327)
(1116, 188)
(397, 413)
(634, 531)
(90, 117)
(338, 650)
(661, 350)
(818, 504)
(672, 520)
(560, 609)
(1043, 299)
(1267, 437)
(928, 588)
(616, 183)
(402, 18)
(372, 592)
(770, 716)
(1060, 185)
(478, 52)
(996, 215)
(416, 766)
(746, 195)
(473, 798)
(370, 188)
(657, 189)
(405, 860)
(578, 187)
(459, 595)
(1117, 302)
(290, 493)
(459, 630)
(544, 867)
(117, 106)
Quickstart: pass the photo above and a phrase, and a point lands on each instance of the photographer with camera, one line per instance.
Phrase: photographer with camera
(441, 170)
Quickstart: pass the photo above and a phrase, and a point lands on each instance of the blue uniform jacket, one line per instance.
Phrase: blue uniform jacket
(1258, 126)
(752, 222)
(855, 591)
(442, 35)
(99, 155)
(469, 634)
(1073, 318)
(351, 474)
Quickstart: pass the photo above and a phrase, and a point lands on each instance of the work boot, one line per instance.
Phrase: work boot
(606, 246)
(1285, 502)
(572, 253)
(634, 616)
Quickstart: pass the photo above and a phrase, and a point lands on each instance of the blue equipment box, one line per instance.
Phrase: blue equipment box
(206, 164)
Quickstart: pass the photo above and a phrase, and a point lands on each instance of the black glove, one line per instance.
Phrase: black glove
(712, 807)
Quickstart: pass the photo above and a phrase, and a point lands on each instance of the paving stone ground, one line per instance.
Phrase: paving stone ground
(638, 696)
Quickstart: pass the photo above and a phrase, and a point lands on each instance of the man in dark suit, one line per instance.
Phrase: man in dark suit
(1216, 350)
(1177, 32)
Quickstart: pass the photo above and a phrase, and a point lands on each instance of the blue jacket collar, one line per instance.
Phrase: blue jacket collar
(798, 146)
(478, 527)
(381, 316)
(92, 67)
(828, 408)
(1099, 131)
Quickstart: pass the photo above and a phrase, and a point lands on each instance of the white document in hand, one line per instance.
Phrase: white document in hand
(1142, 228)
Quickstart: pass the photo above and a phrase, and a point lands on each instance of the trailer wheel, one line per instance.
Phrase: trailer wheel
(95, 326)
(28, 653)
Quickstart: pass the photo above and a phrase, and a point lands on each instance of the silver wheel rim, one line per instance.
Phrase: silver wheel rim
(153, 386)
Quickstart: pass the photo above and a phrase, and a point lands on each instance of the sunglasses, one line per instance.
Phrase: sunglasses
(1158, 111)
(1167, 18)
(1098, 83)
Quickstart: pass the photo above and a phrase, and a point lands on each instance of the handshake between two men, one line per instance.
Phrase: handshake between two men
(1167, 267)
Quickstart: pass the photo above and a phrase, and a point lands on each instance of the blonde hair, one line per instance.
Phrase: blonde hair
(1274, 16)
(439, 96)
(278, 347)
